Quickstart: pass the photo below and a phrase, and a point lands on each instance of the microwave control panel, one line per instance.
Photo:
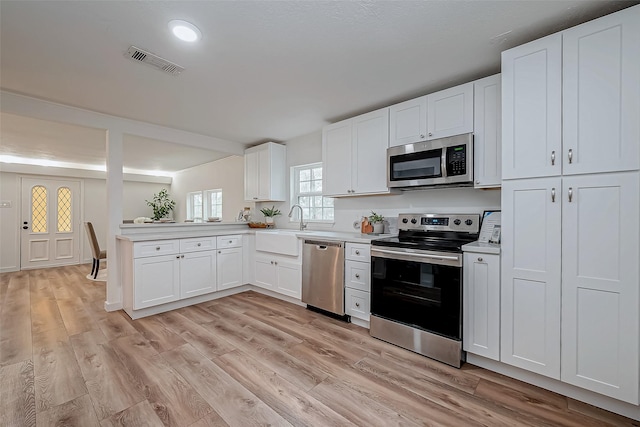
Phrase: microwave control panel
(457, 160)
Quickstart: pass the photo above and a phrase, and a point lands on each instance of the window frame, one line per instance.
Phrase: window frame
(296, 194)
(205, 197)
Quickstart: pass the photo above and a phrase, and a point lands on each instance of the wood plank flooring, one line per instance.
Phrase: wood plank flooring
(244, 360)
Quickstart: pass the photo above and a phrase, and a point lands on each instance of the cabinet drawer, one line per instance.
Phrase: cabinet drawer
(232, 241)
(357, 303)
(357, 275)
(358, 252)
(155, 247)
(197, 244)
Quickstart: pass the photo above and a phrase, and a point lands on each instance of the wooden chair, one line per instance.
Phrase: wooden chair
(95, 249)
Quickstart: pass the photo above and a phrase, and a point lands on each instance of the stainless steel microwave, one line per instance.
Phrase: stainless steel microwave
(444, 161)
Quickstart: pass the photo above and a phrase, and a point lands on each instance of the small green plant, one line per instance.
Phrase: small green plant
(270, 212)
(161, 204)
(374, 217)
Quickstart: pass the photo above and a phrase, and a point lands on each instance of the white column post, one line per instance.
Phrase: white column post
(114, 217)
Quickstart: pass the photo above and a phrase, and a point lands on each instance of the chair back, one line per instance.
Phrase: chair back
(95, 248)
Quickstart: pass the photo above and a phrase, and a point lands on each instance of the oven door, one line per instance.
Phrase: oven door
(422, 291)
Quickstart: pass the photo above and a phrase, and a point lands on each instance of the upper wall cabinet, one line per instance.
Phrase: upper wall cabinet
(450, 112)
(408, 122)
(487, 128)
(264, 173)
(437, 115)
(354, 155)
(600, 102)
(532, 106)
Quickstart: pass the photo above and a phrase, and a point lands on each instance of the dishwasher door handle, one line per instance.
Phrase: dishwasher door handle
(321, 247)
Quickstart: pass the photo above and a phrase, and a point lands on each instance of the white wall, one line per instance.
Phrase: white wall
(308, 149)
(93, 209)
(226, 174)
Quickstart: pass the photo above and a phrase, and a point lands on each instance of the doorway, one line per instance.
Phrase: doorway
(50, 225)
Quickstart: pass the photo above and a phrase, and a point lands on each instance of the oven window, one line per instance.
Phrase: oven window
(421, 165)
(426, 296)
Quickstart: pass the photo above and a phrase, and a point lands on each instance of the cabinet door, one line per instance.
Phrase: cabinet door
(336, 159)
(265, 273)
(289, 279)
(197, 273)
(229, 268)
(531, 109)
(369, 156)
(481, 309)
(264, 174)
(487, 128)
(157, 280)
(251, 175)
(357, 303)
(531, 273)
(601, 94)
(408, 122)
(450, 112)
(600, 253)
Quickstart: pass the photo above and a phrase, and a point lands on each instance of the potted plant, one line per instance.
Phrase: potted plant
(161, 204)
(269, 213)
(377, 221)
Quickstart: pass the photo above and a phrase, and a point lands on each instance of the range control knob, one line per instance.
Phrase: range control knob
(468, 222)
(405, 220)
(457, 222)
(413, 220)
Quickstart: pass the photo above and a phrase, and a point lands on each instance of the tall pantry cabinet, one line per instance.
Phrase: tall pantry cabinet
(570, 206)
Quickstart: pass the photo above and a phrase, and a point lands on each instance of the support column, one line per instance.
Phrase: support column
(114, 217)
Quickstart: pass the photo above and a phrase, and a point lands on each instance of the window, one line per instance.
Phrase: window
(204, 204)
(39, 209)
(307, 192)
(64, 209)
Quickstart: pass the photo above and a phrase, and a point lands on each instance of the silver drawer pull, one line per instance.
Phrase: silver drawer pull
(357, 276)
(357, 252)
(479, 259)
(357, 304)
(157, 248)
(177, 256)
(570, 155)
(553, 195)
(553, 157)
(199, 244)
(230, 241)
(570, 194)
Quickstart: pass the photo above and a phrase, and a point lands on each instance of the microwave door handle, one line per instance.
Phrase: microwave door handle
(443, 162)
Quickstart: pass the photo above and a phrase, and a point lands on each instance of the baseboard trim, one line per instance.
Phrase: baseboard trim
(577, 393)
(112, 306)
(9, 269)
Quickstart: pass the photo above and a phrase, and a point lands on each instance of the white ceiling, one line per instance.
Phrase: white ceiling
(264, 70)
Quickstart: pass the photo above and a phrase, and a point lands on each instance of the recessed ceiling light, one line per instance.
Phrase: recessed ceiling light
(184, 30)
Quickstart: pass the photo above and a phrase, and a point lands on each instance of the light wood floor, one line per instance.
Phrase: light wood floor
(240, 361)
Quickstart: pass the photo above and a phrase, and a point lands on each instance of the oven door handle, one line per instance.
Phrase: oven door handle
(412, 255)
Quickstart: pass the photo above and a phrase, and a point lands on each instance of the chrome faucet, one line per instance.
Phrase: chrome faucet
(302, 224)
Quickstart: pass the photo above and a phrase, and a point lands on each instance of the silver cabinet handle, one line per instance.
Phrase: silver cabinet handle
(357, 252)
(357, 304)
(430, 134)
(421, 135)
(553, 157)
(177, 256)
(181, 256)
(271, 262)
(570, 194)
(479, 259)
(276, 262)
(553, 195)
(478, 182)
(230, 241)
(570, 155)
(157, 248)
(199, 244)
(255, 198)
(219, 252)
(357, 276)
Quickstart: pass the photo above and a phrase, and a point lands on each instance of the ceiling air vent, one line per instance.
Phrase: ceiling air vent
(140, 55)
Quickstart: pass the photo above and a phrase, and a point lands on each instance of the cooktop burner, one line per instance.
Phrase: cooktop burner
(434, 232)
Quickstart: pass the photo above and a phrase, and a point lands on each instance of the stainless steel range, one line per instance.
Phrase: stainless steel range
(416, 284)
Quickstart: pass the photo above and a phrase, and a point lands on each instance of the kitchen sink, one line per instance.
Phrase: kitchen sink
(283, 242)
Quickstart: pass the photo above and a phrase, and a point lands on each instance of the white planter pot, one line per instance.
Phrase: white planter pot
(378, 227)
(268, 219)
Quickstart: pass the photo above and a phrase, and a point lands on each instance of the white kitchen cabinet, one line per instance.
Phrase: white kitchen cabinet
(408, 122)
(279, 274)
(354, 155)
(157, 280)
(532, 108)
(487, 128)
(600, 102)
(264, 173)
(600, 276)
(481, 304)
(357, 280)
(197, 273)
(450, 112)
(229, 261)
(531, 274)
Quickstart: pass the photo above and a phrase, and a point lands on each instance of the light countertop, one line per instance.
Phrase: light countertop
(482, 248)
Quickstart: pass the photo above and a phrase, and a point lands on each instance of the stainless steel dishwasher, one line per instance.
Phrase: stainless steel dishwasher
(323, 275)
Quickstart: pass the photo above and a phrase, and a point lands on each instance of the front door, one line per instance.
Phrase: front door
(50, 223)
